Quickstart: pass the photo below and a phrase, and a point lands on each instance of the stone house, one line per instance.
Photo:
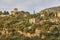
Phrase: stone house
(58, 14)
(14, 11)
(34, 20)
(25, 14)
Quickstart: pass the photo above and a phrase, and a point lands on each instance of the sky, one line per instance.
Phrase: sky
(28, 5)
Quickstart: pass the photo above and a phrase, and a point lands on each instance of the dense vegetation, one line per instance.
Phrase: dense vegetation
(13, 27)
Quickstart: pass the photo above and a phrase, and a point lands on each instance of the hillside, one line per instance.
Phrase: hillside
(21, 25)
(57, 8)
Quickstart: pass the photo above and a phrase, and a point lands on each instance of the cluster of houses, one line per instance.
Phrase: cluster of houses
(35, 20)
(54, 18)
(49, 12)
(13, 12)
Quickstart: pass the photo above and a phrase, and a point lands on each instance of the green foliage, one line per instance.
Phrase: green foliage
(13, 23)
